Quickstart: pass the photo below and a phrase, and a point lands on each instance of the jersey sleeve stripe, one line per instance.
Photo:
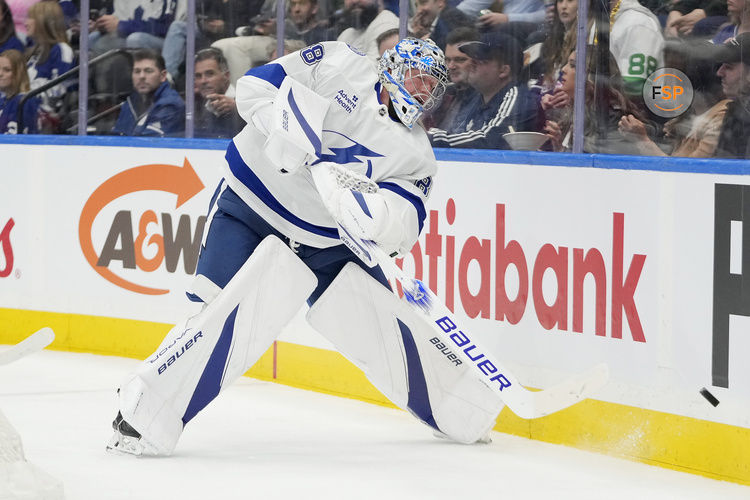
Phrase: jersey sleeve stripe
(245, 175)
(410, 197)
(309, 132)
(272, 73)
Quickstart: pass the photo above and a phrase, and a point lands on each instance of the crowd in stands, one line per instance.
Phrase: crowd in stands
(511, 63)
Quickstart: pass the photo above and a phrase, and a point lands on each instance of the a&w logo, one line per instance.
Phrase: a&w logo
(129, 233)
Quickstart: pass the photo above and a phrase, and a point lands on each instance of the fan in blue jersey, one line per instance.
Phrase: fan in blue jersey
(14, 81)
(8, 38)
(50, 55)
(362, 118)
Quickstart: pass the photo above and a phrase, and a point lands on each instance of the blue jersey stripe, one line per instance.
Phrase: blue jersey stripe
(309, 132)
(272, 73)
(412, 198)
(247, 177)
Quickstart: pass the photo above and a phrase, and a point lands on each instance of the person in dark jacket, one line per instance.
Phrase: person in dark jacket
(501, 102)
(154, 108)
(434, 20)
(215, 106)
(735, 82)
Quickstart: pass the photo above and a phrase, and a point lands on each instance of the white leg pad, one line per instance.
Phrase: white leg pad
(207, 352)
(399, 353)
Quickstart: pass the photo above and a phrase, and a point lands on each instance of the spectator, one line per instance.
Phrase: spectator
(500, 102)
(598, 137)
(154, 108)
(434, 20)
(366, 20)
(695, 18)
(518, 18)
(303, 23)
(134, 24)
(388, 39)
(636, 42)
(14, 82)
(526, 11)
(739, 21)
(216, 110)
(8, 38)
(735, 82)
(561, 39)
(699, 142)
(459, 91)
(20, 10)
(50, 55)
(250, 49)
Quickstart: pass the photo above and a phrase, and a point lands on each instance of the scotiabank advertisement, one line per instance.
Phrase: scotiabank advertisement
(556, 268)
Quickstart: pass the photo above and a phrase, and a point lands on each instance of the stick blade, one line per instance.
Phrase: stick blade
(569, 392)
(31, 344)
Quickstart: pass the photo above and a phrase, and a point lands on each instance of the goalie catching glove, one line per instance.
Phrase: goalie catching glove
(362, 210)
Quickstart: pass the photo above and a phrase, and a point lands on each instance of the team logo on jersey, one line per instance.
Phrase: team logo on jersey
(352, 153)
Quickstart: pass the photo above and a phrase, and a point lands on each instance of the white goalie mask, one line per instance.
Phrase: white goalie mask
(415, 76)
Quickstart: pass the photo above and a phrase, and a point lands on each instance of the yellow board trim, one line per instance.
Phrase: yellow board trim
(686, 444)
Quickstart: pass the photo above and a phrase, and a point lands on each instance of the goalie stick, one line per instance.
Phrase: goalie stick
(31, 344)
(488, 369)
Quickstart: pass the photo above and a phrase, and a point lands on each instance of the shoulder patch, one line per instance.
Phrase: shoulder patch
(424, 185)
(312, 54)
(356, 50)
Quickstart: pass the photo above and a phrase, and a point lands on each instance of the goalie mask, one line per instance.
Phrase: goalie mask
(415, 76)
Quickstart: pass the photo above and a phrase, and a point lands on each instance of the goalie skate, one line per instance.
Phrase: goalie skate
(126, 440)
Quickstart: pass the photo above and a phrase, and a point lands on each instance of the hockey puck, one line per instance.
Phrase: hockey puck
(709, 397)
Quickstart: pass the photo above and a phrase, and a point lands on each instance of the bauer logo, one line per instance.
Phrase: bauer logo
(129, 229)
(6, 264)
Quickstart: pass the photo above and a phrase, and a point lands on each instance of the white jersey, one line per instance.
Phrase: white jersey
(357, 132)
(366, 39)
(637, 44)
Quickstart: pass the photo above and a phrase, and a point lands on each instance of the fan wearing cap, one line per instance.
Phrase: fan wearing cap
(500, 101)
(735, 82)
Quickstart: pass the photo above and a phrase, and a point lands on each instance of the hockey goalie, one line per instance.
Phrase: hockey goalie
(273, 243)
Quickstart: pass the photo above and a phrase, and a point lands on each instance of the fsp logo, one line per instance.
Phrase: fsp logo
(123, 244)
(668, 92)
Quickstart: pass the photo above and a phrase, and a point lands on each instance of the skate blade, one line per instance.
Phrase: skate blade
(120, 444)
(486, 439)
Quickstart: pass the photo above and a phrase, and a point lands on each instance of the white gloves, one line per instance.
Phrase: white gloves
(293, 125)
(286, 155)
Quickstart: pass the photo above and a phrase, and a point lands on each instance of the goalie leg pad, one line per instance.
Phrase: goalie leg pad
(204, 354)
(398, 352)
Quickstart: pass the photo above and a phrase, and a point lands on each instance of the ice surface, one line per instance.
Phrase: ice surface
(266, 441)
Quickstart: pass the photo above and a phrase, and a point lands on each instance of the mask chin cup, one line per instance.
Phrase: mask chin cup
(407, 108)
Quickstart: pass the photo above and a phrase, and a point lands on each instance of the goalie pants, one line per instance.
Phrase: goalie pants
(235, 230)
